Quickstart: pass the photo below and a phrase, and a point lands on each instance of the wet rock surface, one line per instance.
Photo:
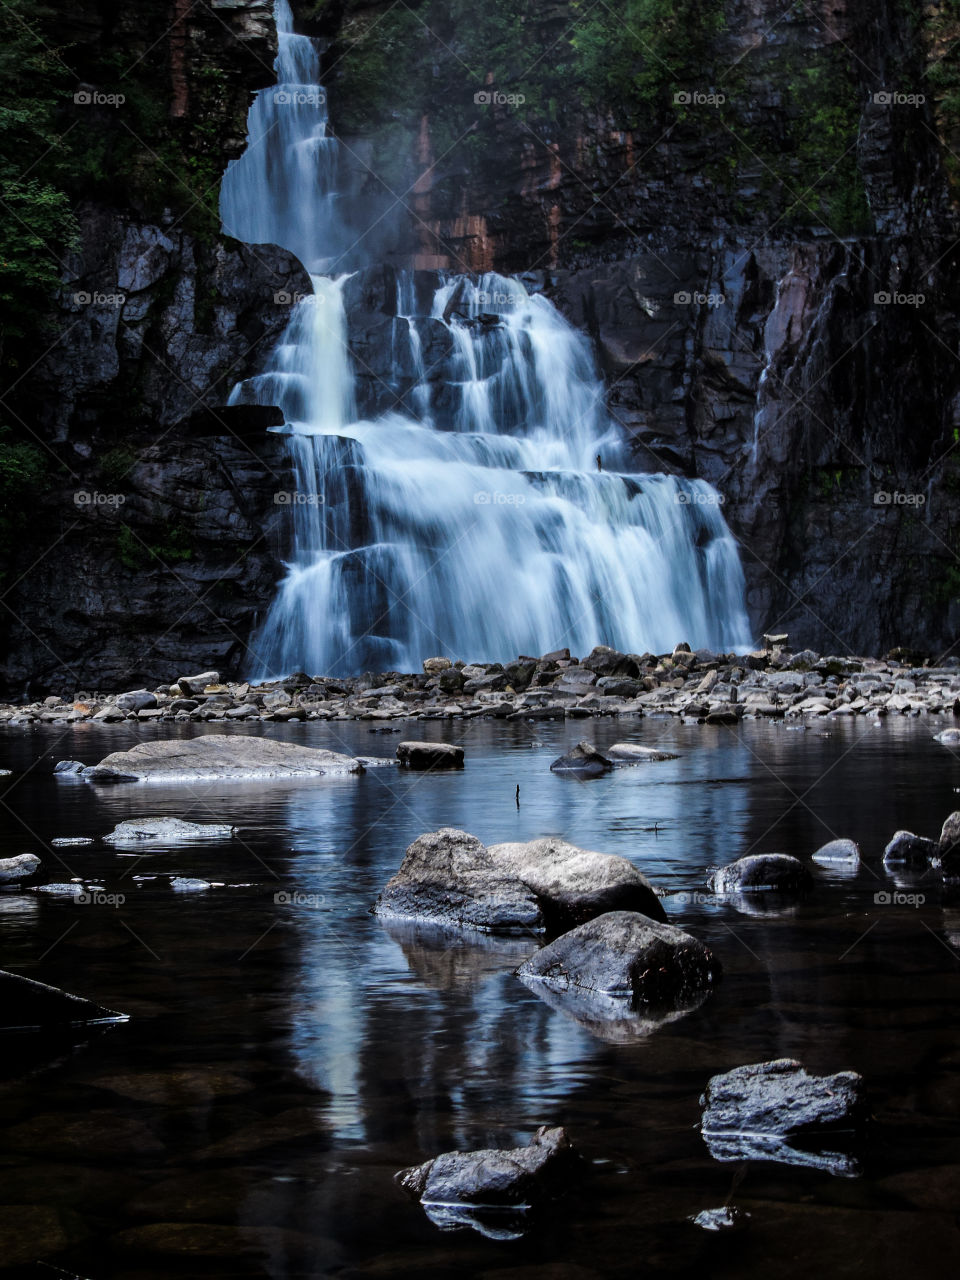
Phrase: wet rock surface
(215, 756)
(762, 873)
(776, 1111)
(451, 878)
(18, 868)
(144, 831)
(467, 1189)
(430, 755)
(628, 957)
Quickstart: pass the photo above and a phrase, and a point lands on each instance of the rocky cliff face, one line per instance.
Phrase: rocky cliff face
(759, 241)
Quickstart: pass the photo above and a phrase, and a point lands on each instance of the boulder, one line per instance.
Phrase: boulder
(143, 831)
(762, 873)
(450, 878)
(214, 756)
(68, 768)
(20, 867)
(628, 957)
(948, 738)
(433, 666)
(584, 761)
(843, 852)
(631, 753)
(190, 685)
(605, 661)
(727, 1218)
(430, 755)
(907, 849)
(136, 700)
(755, 1112)
(491, 1190)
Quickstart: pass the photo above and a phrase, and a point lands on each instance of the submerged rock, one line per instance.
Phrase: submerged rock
(26, 1005)
(20, 867)
(761, 873)
(584, 761)
(141, 831)
(430, 755)
(61, 842)
(218, 756)
(727, 1218)
(843, 852)
(756, 1112)
(491, 1191)
(631, 753)
(625, 956)
(451, 878)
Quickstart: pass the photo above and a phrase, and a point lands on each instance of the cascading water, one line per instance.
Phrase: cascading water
(484, 529)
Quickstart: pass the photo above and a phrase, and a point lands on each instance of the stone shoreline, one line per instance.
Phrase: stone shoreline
(701, 687)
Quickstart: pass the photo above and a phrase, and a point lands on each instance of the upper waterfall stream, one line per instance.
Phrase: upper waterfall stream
(502, 520)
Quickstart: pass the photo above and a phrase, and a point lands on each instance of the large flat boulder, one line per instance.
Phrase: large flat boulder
(628, 957)
(149, 831)
(451, 878)
(213, 756)
(491, 1191)
(20, 867)
(776, 1111)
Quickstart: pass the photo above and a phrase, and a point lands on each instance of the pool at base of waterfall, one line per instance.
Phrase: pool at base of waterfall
(288, 1052)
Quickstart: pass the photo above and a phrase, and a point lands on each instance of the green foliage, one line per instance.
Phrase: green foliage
(37, 227)
(116, 465)
(23, 472)
(155, 547)
(638, 52)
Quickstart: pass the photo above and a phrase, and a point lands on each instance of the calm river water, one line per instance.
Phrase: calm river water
(287, 1053)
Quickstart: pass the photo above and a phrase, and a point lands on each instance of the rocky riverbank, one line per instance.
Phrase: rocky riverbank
(700, 686)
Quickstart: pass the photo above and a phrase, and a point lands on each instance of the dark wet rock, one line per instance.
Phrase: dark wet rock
(631, 753)
(29, 1232)
(604, 661)
(219, 756)
(491, 1191)
(144, 831)
(430, 755)
(137, 700)
(584, 761)
(65, 768)
(727, 1218)
(18, 868)
(773, 1111)
(762, 872)
(624, 956)
(26, 1005)
(907, 849)
(185, 1086)
(451, 878)
(843, 852)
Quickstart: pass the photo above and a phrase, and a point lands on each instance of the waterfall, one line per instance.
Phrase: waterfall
(504, 520)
